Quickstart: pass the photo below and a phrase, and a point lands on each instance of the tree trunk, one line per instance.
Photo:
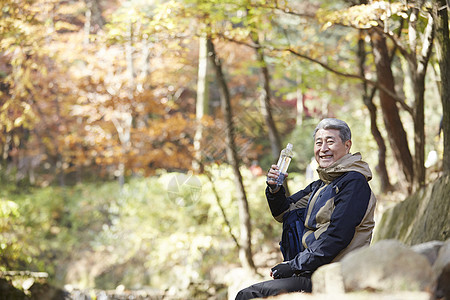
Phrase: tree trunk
(122, 120)
(300, 100)
(396, 133)
(245, 251)
(266, 95)
(94, 19)
(367, 99)
(129, 50)
(202, 102)
(95, 12)
(59, 156)
(418, 63)
(440, 14)
(146, 54)
(419, 130)
(266, 107)
(87, 25)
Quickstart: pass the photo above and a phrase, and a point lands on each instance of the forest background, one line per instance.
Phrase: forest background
(135, 134)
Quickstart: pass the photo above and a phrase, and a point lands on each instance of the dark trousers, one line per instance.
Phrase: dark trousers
(276, 287)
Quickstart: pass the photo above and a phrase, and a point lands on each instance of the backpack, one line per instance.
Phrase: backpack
(291, 238)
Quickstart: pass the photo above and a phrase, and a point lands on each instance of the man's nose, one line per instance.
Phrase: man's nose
(324, 147)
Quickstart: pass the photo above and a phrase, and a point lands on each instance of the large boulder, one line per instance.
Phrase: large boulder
(387, 266)
(422, 217)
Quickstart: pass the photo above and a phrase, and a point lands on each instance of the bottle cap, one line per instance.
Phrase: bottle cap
(289, 146)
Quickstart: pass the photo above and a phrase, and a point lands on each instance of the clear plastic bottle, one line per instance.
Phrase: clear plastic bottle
(283, 162)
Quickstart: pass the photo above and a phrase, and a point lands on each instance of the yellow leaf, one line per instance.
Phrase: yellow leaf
(18, 121)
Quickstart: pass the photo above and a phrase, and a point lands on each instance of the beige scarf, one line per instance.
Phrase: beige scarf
(349, 162)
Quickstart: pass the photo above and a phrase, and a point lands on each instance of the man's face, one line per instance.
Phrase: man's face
(328, 147)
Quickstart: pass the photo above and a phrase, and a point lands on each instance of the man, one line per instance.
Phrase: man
(329, 218)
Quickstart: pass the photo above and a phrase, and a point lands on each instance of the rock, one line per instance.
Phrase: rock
(240, 278)
(398, 269)
(441, 269)
(8, 291)
(443, 284)
(355, 296)
(422, 217)
(328, 279)
(430, 250)
(40, 291)
(387, 266)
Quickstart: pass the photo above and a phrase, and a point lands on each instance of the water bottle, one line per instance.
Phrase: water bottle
(283, 162)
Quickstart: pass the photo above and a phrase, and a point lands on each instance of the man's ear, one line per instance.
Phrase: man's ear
(348, 145)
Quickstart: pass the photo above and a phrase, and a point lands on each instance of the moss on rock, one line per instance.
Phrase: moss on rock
(422, 217)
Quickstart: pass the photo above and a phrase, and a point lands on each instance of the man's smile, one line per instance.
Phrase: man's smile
(327, 156)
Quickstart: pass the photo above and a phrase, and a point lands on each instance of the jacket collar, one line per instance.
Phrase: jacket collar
(347, 163)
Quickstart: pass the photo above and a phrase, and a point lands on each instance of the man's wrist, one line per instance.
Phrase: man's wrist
(273, 188)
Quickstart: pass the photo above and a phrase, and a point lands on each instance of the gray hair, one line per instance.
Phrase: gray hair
(344, 131)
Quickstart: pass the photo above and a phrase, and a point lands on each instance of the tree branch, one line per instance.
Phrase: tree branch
(286, 10)
(400, 100)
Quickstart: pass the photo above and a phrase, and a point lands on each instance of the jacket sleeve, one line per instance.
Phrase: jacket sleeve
(279, 203)
(351, 203)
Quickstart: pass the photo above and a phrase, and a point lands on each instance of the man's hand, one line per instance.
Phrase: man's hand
(272, 176)
(282, 270)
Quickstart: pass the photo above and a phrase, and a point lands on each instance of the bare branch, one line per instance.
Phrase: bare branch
(400, 100)
(240, 42)
(287, 10)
